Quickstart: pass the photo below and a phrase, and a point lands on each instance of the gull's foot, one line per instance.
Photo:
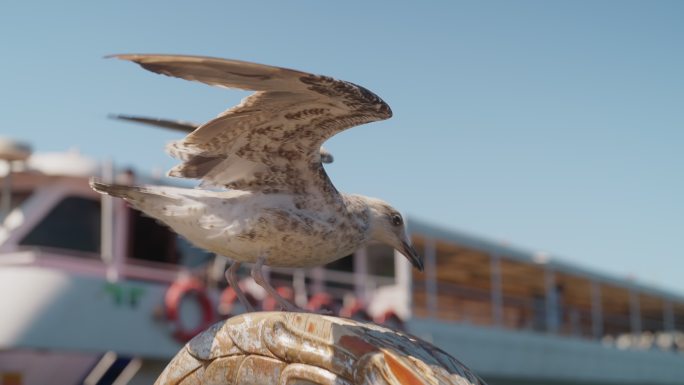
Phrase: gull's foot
(296, 309)
(287, 306)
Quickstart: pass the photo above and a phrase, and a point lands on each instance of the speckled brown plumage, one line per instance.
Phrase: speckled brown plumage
(279, 204)
(278, 129)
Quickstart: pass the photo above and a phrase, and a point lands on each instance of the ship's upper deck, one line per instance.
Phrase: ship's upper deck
(479, 281)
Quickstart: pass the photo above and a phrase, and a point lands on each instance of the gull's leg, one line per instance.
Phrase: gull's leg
(231, 277)
(259, 279)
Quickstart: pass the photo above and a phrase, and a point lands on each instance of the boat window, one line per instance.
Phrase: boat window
(155, 242)
(381, 260)
(345, 264)
(73, 224)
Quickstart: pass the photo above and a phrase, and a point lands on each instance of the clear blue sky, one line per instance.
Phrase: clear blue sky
(556, 126)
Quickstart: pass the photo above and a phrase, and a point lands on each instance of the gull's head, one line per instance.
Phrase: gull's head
(387, 226)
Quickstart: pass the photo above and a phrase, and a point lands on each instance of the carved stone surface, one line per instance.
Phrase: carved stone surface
(302, 348)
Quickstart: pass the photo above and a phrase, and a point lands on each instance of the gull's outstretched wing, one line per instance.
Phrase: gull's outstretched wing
(269, 142)
(184, 126)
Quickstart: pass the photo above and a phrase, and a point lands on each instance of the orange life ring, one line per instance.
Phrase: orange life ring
(172, 300)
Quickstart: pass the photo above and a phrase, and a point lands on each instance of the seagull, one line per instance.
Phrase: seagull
(264, 197)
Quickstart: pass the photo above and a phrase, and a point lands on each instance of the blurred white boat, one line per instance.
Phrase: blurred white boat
(92, 292)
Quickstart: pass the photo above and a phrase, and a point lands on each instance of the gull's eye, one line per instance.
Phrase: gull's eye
(396, 220)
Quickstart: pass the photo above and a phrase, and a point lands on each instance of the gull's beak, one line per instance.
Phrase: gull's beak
(411, 254)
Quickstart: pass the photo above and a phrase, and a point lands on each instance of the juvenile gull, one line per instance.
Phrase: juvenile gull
(276, 205)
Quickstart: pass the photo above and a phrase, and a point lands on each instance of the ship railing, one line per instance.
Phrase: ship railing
(337, 289)
(340, 286)
(469, 305)
(90, 264)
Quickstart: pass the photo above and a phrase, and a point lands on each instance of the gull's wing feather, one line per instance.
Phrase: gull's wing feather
(178, 125)
(271, 141)
(185, 126)
(218, 72)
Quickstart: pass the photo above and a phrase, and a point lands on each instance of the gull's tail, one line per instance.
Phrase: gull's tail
(156, 201)
(186, 211)
(115, 190)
